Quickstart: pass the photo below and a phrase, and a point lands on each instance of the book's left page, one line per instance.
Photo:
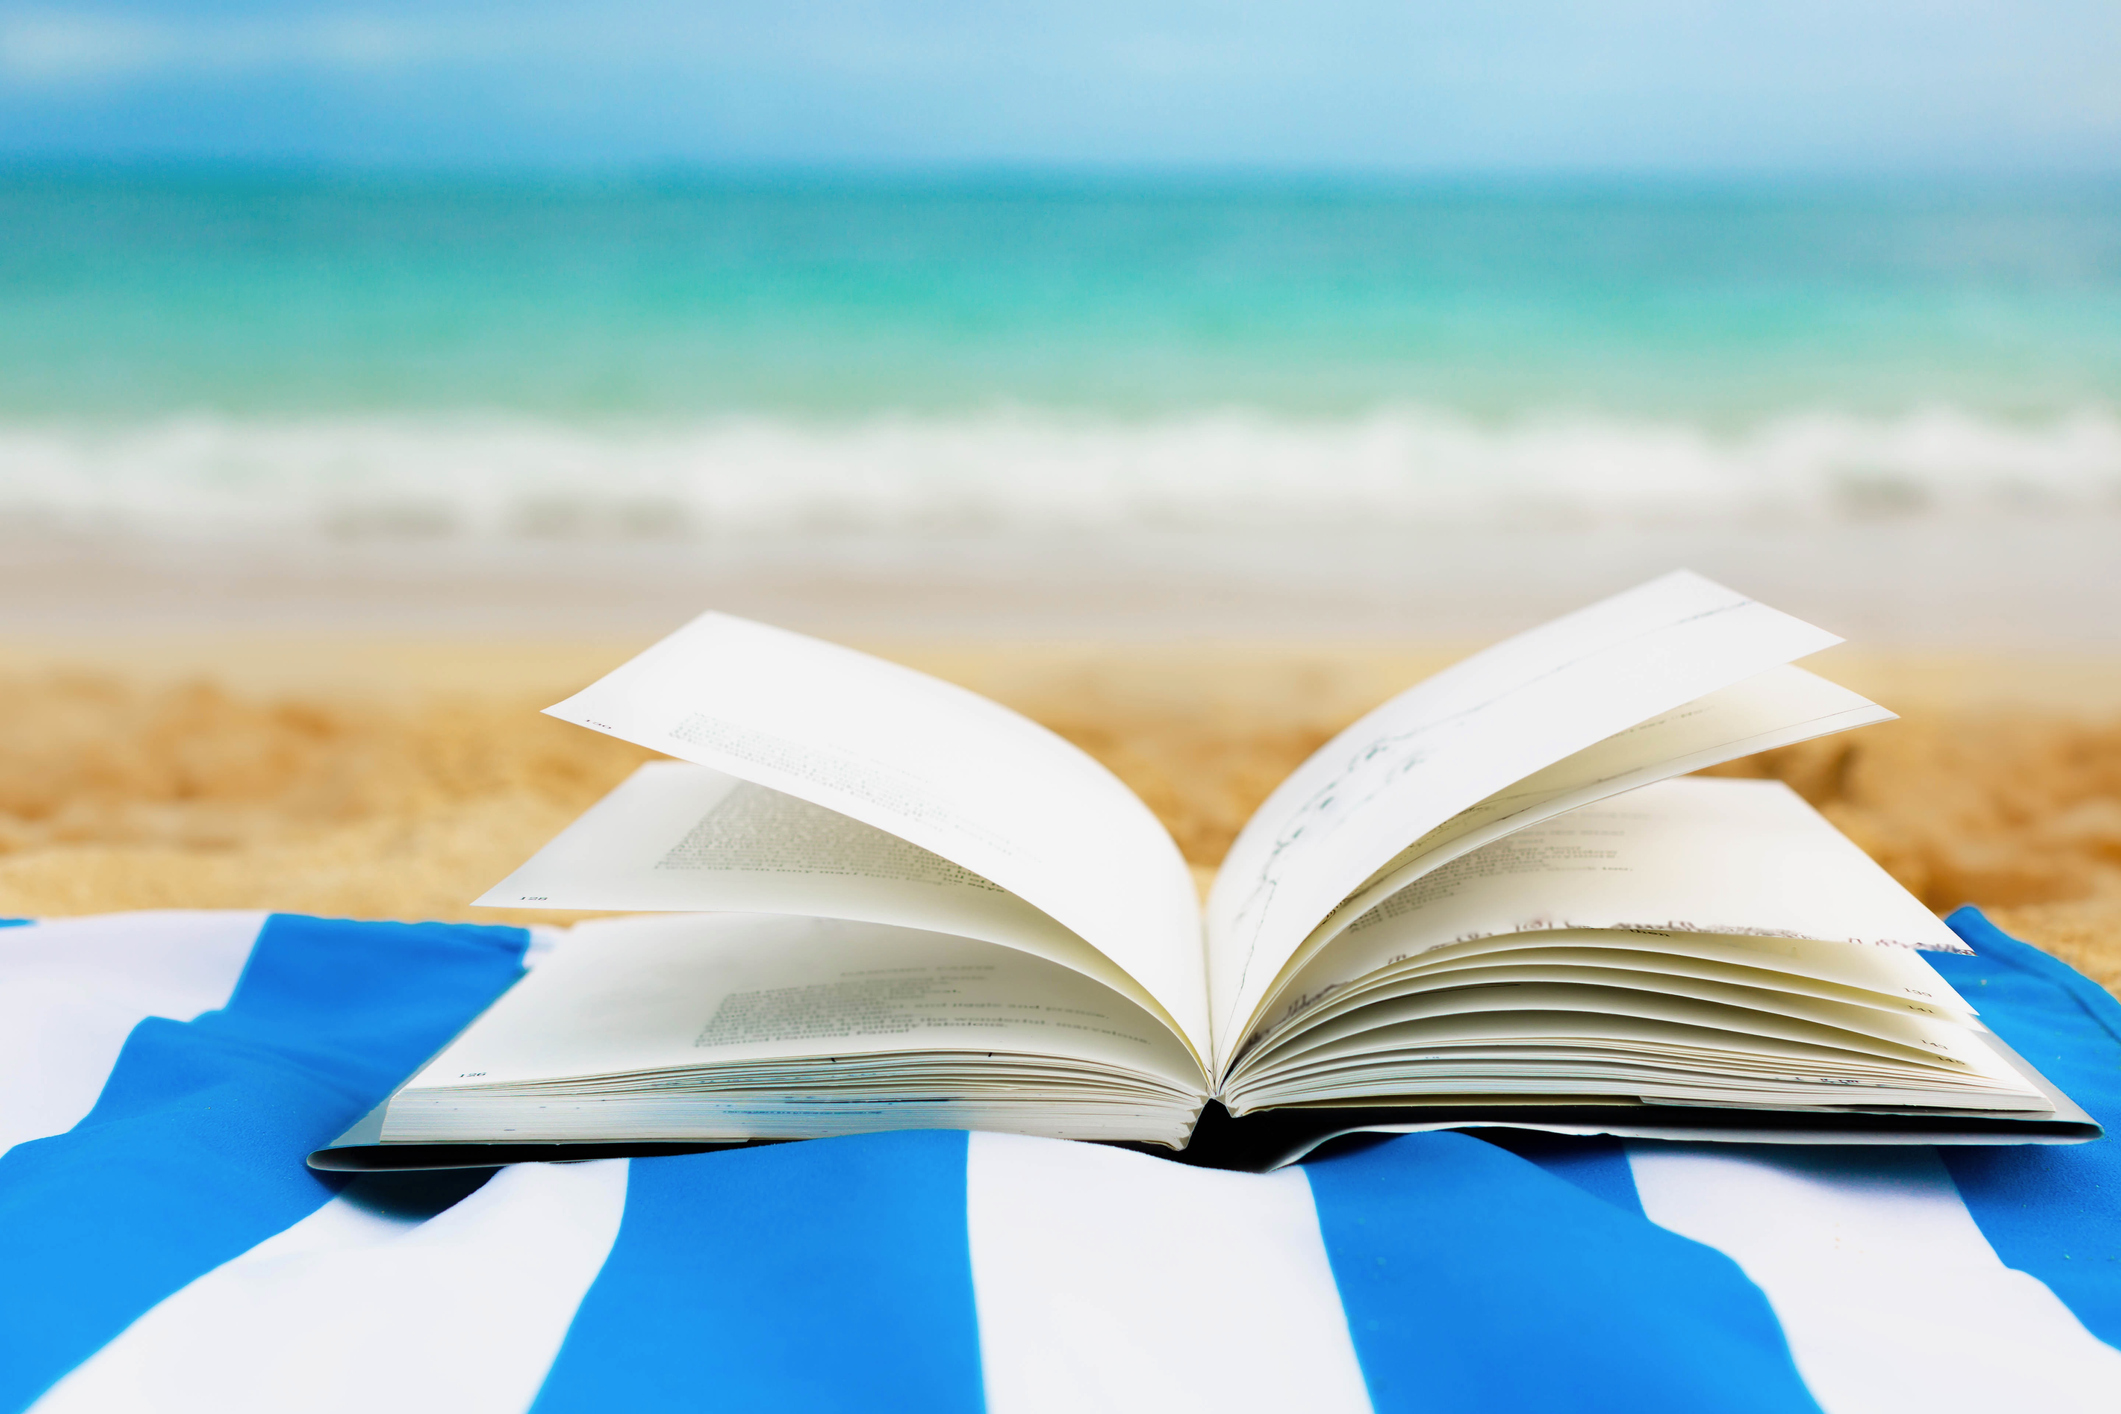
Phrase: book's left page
(731, 1027)
(679, 838)
(930, 763)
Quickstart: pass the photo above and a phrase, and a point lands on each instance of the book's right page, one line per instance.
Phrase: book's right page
(1728, 860)
(1463, 735)
(1697, 955)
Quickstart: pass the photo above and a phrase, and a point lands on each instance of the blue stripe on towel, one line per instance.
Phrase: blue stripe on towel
(2051, 1210)
(1472, 1280)
(829, 1275)
(1598, 1164)
(193, 1152)
(16, 922)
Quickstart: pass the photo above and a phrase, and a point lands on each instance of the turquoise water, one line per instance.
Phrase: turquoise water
(240, 355)
(136, 296)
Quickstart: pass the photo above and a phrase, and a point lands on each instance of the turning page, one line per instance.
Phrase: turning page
(928, 762)
(1771, 709)
(1731, 859)
(679, 838)
(1461, 736)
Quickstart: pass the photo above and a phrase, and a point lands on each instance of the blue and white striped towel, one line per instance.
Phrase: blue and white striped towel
(164, 1248)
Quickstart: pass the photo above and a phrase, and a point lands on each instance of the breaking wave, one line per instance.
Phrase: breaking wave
(516, 479)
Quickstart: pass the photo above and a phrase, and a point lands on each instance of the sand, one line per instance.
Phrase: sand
(397, 776)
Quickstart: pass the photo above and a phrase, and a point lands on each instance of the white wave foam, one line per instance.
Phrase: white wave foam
(520, 480)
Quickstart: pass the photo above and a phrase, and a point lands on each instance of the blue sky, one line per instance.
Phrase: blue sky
(1857, 86)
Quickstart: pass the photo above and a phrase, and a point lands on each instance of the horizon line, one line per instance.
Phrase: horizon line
(680, 173)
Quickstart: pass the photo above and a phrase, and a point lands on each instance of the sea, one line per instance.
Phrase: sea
(695, 361)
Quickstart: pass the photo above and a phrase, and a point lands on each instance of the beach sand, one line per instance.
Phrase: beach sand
(397, 776)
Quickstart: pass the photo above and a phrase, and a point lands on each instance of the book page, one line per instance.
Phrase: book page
(1885, 979)
(1401, 1022)
(1696, 855)
(1779, 707)
(679, 838)
(1775, 708)
(1893, 978)
(1510, 975)
(1581, 1049)
(626, 996)
(1461, 736)
(931, 763)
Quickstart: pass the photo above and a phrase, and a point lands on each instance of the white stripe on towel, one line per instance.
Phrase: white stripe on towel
(1113, 1281)
(1890, 1296)
(72, 990)
(355, 1310)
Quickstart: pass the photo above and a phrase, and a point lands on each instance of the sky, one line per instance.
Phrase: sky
(1457, 86)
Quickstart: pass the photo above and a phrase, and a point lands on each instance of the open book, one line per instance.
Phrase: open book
(886, 902)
